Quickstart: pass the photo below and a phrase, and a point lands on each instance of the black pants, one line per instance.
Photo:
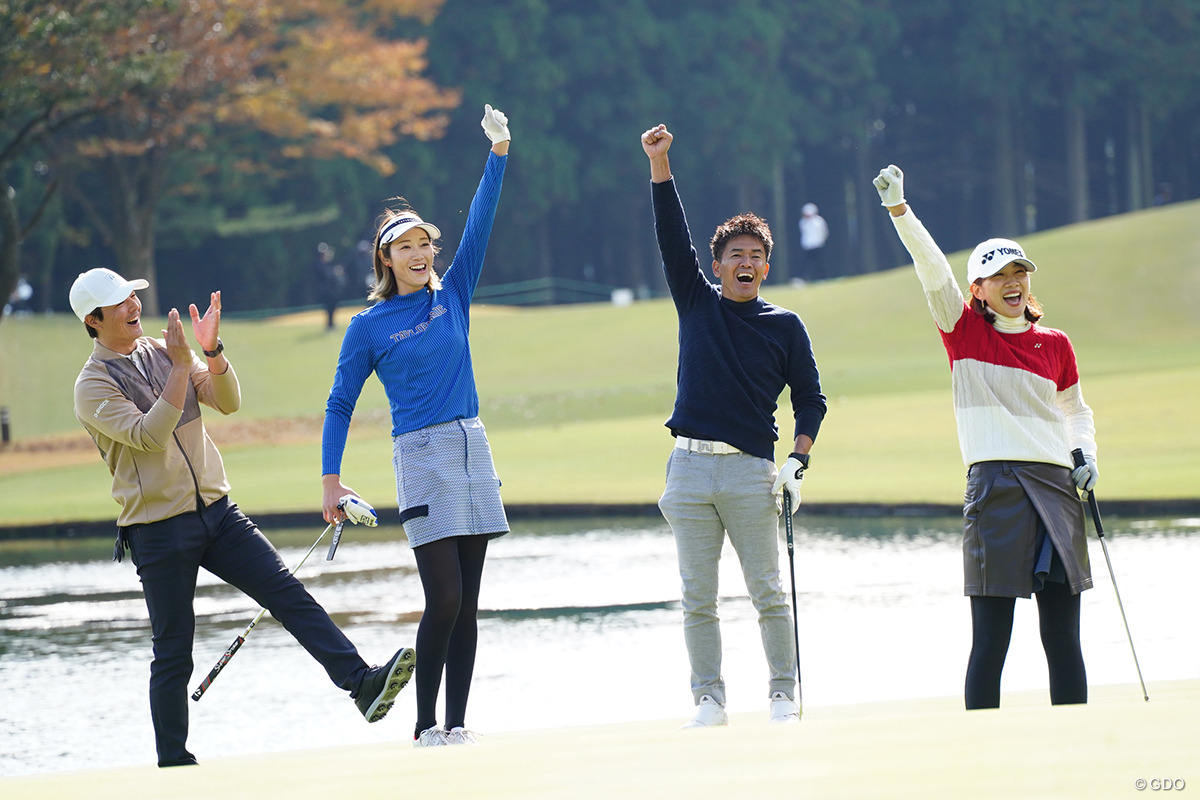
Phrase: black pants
(223, 540)
(1058, 621)
(451, 570)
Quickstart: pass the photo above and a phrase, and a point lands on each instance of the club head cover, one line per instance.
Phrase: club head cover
(358, 511)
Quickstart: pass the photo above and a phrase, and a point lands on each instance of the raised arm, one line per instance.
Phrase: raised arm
(941, 289)
(463, 273)
(656, 142)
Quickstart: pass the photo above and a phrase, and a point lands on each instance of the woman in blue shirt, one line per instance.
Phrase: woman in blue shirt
(415, 339)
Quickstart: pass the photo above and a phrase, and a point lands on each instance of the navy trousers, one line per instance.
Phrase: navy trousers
(223, 540)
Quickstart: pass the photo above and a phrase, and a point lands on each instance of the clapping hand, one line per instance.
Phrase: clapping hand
(207, 329)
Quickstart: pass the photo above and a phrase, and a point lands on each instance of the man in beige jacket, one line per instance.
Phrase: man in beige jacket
(140, 398)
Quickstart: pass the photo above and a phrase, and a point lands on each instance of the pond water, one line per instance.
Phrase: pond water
(581, 624)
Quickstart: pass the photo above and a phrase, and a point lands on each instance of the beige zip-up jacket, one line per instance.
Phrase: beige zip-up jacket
(161, 457)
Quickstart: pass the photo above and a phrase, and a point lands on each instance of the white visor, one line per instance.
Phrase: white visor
(395, 228)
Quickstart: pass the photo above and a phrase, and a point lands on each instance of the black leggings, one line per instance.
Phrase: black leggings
(451, 570)
(1058, 619)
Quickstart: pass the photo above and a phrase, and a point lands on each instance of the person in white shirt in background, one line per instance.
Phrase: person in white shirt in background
(814, 232)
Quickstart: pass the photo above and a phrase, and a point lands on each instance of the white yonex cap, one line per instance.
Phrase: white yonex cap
(991, 256)
(101, 287)
(398, 226)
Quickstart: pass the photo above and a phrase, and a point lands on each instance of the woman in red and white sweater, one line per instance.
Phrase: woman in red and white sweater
(1020, 413)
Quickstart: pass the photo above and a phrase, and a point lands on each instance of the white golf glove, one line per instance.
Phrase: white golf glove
(495, 125)
(791, 475)
(890, 185)
(1085, 477)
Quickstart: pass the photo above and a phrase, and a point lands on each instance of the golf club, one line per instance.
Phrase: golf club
(1077, 455)
(791, 549)
(359, 512)
(237, 643)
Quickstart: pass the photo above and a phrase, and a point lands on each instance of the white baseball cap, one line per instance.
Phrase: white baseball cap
(991, 256)
(399, 225)
(101, 287)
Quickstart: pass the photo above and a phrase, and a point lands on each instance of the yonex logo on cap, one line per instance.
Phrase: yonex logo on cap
(991, 256)
(1004, 251)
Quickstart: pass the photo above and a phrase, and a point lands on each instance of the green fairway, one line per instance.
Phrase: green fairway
(574, 397)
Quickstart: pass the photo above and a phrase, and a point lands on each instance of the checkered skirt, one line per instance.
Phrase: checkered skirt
(446, 483)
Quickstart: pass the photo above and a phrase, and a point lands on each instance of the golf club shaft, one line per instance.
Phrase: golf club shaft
(1077, 455)
(791, 548)
(237, 643)
(1124, 619)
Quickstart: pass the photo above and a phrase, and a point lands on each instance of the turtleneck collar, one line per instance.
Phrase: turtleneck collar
(1011, 324)
(744, 307)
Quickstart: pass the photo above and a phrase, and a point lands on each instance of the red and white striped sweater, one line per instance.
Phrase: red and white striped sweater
(1016, 384)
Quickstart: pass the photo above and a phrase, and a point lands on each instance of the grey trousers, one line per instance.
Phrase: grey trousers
(706, 498)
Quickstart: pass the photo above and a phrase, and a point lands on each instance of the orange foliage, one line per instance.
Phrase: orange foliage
(314, 73)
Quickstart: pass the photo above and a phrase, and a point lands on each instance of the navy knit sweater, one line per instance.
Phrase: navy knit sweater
(734, 358)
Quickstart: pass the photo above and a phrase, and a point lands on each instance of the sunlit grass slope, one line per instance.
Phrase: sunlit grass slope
(574, 397)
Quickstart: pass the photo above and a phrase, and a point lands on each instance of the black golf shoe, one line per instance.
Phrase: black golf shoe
(381, 685)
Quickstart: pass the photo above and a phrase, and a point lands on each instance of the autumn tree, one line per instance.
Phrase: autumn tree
(55, 73)
(316, 76)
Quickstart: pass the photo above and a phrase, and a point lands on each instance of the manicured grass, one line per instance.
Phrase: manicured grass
(574, 397)
(1116, 745)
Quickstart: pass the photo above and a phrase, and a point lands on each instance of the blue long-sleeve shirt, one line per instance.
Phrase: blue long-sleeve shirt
(417, 344)
(734, 358)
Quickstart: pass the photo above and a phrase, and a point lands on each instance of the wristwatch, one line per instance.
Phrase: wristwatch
(214, 353)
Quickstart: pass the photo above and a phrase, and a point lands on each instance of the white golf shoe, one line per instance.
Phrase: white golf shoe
(709, 714)
(460, 736)
(432, 737)
(784, 709)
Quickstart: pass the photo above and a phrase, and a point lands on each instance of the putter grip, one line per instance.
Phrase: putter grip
(787, 522)
(1077, 457)
(337, 537)
(216, 670)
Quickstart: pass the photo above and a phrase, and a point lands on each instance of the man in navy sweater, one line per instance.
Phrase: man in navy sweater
(736, 354)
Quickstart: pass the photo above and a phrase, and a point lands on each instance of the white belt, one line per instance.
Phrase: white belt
(704, 446)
